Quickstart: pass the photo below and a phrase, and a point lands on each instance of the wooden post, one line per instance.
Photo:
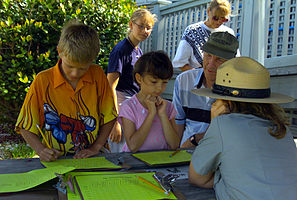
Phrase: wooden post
(253, 33)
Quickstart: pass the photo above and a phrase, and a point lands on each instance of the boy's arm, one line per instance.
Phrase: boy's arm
(45, 154)
(113, 80)
(116, 133)
(94, 149)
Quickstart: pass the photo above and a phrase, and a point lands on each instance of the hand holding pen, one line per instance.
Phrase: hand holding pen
(48, 153)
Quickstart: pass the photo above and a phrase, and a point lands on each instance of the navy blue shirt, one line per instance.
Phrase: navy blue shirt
(122, 59)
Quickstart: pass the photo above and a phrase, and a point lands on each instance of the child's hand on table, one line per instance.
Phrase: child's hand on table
(85, 153)
(47, 154)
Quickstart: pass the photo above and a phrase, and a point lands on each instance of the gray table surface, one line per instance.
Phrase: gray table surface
(47, 192)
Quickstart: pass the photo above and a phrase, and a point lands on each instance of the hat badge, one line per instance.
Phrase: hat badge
(235, 92)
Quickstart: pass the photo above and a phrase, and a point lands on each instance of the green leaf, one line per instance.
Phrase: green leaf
(5, 4)
(24, 79)
(20, 74)
(78, 11)
(9, 21)
(27, 23)
(19, 56)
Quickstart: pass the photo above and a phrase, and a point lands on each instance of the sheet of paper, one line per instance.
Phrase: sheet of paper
(86, 163)
(76, 196)
(163, 157)
(118, 186)
(22, 181)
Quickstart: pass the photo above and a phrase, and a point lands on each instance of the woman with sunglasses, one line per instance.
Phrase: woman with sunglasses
(189, 54)
(120, 66)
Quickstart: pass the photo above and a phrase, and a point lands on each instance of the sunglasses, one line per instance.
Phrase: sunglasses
(223, 19)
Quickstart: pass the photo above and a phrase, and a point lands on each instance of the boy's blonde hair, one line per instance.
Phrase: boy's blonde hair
(79, 42)
(223, 7)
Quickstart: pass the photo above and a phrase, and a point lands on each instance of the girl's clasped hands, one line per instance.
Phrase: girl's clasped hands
(156, 105)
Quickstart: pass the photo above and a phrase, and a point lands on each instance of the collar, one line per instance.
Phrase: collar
(131, 43)
(59, 78)
(199, 79)
(129, 40)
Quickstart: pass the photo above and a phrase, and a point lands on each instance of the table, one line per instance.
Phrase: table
(47, 192)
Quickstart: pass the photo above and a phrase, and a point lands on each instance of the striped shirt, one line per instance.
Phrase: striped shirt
(192, 110)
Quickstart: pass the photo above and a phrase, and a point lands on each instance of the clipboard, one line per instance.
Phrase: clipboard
(137, 187)
(163, 159)
(85, 164)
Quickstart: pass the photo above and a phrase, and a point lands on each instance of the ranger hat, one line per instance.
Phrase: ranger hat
(243, 79)
(221, 44)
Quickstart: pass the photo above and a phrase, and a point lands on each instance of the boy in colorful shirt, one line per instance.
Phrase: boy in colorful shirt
(72, 100)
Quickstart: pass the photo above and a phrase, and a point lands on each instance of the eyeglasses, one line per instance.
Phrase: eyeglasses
(148, 28)
(223, 19)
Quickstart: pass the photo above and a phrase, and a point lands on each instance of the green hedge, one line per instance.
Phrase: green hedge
(29, 32)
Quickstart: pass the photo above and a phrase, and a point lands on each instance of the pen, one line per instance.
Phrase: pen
(149, 183)
(157, 179)
(175, 152)
(43, 136)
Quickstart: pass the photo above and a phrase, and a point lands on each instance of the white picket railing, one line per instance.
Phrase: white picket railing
(278, 27)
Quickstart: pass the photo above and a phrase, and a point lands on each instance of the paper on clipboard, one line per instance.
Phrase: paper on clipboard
(116, 185)
(163, 157)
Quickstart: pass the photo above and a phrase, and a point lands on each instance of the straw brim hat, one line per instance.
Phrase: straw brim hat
(274, 97)
(243, 79)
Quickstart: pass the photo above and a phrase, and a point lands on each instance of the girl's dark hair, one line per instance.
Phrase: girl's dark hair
(271, 112)
(155, 63)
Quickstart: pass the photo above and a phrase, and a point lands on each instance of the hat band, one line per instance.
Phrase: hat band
(239, 92)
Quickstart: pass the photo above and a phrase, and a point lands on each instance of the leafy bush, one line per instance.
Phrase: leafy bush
(29, 33)
(16, 151)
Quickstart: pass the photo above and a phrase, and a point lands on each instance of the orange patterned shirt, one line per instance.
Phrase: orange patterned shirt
(71, 118)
